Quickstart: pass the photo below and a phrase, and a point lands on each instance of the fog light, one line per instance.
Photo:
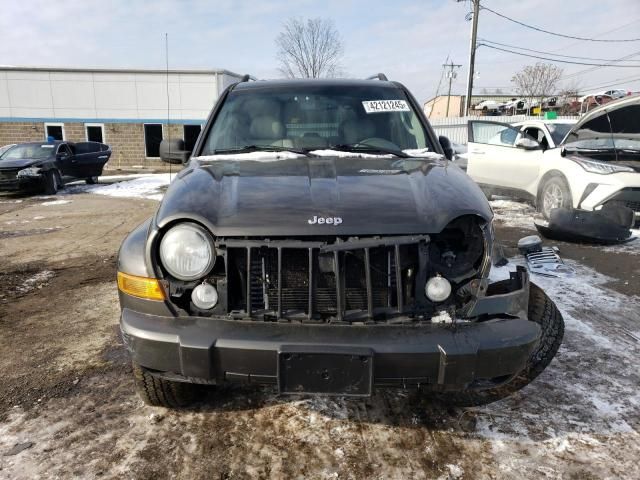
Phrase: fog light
(437, 289)
(204, 296)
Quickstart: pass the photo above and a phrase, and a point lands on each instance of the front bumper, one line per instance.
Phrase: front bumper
(21, 184)
(442, 357)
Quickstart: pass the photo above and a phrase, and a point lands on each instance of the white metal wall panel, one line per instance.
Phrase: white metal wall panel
(105, 95)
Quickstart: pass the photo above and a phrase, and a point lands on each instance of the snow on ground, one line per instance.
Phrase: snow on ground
(513, 214)
(149, 186)
(587, 402)
(579, 419)
(56, 202)
(35, 281)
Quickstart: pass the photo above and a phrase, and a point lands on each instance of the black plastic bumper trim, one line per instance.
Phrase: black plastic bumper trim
(229, 350)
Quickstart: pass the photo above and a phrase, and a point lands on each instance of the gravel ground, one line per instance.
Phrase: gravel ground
(67, 406)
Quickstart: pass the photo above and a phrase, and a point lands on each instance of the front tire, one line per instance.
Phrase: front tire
(91, 180)
(158, 392)
(52, 182)
(544, 312)
(554, 193)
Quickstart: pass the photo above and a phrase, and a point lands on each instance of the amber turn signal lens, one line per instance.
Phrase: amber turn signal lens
(140, 287)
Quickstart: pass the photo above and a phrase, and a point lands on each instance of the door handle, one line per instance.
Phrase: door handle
(477, 152)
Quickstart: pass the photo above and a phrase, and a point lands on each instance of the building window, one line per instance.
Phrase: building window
(94, 132)
(190, 135)
(54, 130)
(152, 139)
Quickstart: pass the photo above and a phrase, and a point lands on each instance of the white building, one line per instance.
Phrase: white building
(126, 109)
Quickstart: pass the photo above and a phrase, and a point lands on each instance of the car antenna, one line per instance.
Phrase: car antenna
(166, 54)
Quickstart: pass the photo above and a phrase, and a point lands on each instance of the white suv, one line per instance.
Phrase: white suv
(597, 161)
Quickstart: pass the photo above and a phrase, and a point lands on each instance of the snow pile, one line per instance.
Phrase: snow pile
(38, 280)
(146, 186)
(252, 156)
(56, 202)
(513, 214)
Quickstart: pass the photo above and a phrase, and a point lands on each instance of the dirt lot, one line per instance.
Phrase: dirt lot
(67, 406)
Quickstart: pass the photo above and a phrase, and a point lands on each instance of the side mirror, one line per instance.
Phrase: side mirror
(62, 156)
(172, 151)
(527, 143)
(445, 143)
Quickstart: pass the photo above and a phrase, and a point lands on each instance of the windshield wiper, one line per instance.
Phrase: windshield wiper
(367, 149)
(261, 148)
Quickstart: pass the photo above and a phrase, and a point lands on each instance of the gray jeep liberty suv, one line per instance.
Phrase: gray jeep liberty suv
(319, 240)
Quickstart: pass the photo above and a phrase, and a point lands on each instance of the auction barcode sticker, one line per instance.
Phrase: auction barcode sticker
(377, 106)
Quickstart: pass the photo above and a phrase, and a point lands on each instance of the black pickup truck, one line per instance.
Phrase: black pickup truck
(47, 166)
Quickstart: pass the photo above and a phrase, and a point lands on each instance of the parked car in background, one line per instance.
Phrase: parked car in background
(488, 105)
(514, 106)
(596, 163)
(47, 166)
(593, 101)
(614, 94)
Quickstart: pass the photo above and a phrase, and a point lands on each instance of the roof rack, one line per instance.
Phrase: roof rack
(378, 76)
(246, 77)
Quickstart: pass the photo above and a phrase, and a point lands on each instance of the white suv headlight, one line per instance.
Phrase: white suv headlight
(187, 252)
(603, 168)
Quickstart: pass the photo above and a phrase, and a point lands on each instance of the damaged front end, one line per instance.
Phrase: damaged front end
(401, 279)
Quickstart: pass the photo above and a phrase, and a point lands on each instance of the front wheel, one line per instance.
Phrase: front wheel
(91, 180)
(554, 193)
(544, 312)
(159, 392)
(51, 182)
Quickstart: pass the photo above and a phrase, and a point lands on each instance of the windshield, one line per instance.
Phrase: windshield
(31, 152)
(558, 131)
(317, 117)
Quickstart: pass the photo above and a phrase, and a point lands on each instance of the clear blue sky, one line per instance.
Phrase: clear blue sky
(408, 40)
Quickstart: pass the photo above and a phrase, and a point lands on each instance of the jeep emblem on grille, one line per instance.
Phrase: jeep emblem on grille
(322, 220)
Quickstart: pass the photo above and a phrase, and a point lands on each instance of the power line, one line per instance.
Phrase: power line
(538, 29)
(558, 60)
(593, 69)
(550, 53)
(616, 82)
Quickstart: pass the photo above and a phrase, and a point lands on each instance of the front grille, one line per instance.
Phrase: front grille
(8, 175)
(362, 279)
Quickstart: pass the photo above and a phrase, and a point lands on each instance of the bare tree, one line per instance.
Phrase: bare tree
(309, 49)
(537, 81)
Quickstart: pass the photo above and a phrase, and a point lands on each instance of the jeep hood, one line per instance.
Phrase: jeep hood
(281, 197)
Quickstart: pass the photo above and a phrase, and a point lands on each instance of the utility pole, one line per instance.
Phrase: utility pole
(451, 74)
(472, 55)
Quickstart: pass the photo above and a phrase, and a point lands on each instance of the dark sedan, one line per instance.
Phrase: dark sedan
(47, 166)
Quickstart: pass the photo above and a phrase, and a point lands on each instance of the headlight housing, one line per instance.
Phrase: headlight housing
(602, 168)
(29, 172)
(187, 252)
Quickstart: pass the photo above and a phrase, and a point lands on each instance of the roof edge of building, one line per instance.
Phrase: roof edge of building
(42, 68)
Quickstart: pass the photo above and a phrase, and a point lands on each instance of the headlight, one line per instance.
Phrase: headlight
(187, 252)
(603, 168)
(29, 172)
(437, 289)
